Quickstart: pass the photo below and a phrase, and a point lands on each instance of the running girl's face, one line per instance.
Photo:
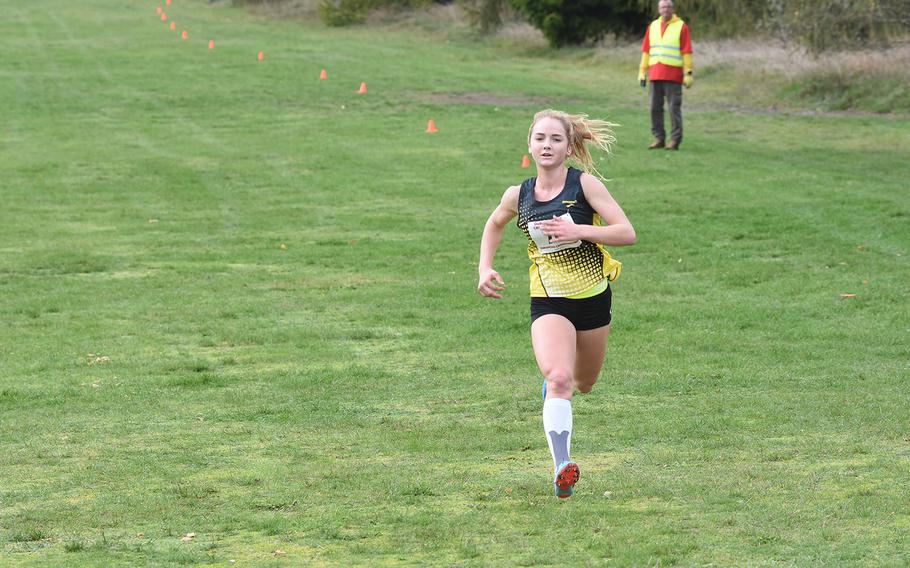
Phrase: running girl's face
(549, 143)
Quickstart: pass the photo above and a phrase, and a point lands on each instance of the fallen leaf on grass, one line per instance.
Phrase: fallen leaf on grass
(152, 221)
(140, 535)
(847, 296)
(283, 246)
(188, 537)
(608, 494)
(279, 552)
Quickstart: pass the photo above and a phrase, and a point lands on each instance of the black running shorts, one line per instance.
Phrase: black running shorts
(586, 313)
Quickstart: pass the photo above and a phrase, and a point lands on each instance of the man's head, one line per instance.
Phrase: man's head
(665, 8)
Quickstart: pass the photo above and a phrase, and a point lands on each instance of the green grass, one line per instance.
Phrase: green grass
(168, 368)
(837, 91)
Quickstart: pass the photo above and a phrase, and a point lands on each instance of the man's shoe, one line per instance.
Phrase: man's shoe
(656, 144)
(673, 145)
(566, 476)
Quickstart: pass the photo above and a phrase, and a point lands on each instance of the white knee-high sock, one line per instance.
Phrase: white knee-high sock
(557, 425)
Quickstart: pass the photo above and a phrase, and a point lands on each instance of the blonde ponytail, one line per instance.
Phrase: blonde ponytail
(582, 131)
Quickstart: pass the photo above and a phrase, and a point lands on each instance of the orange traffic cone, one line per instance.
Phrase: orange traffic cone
(173, 25)
(363, 88)
(211, 44)
(322, 75)
(261, 56)
(431, 127)
(163, 16)
(525, 162)
(183, 35)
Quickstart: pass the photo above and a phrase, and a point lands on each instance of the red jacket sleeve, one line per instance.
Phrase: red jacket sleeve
(685, 42)
(646, 43)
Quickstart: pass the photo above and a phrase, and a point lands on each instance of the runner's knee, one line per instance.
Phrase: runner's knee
(559, 377)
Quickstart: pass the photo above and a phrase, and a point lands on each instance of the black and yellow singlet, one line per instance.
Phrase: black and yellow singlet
(568, 270)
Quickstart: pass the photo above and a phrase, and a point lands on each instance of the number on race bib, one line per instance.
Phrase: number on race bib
(544, 242)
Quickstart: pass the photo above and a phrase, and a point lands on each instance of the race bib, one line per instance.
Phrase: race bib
(544, 243)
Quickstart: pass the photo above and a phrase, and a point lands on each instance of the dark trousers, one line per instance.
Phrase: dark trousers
(671, 91)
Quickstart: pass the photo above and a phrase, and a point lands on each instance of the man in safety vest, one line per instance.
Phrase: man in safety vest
(666, 59)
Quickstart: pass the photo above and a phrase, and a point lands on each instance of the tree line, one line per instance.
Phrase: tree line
(817, 25)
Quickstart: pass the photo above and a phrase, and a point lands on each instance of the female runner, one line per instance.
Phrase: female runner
(568, 217)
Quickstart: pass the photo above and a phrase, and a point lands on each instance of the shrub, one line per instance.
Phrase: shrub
(484, 15)
(567, 22)
(346, 12)
(821, 25)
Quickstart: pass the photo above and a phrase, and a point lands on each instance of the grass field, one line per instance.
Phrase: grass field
(240, 302)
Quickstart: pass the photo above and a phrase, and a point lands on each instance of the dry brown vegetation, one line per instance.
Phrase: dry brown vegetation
(775, 57)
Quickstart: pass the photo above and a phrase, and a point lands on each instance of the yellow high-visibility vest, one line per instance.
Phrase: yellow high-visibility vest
(665, 49)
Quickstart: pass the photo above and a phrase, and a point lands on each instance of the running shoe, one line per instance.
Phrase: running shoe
(566, 476)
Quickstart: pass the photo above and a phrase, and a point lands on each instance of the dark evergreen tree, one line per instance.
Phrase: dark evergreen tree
(568, 22)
